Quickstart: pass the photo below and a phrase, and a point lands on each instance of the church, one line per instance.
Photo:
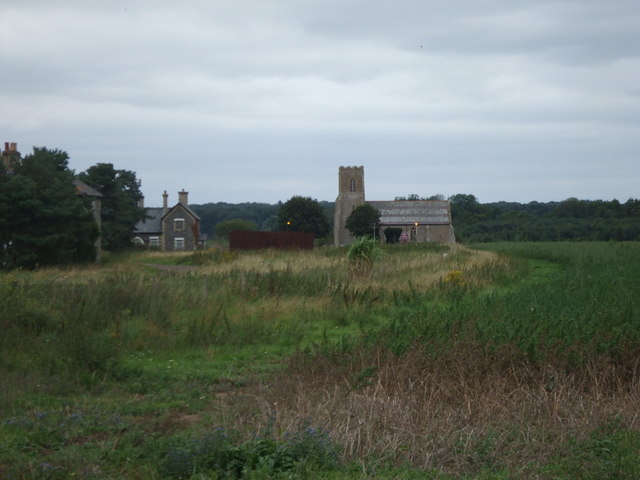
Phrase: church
(420, 221)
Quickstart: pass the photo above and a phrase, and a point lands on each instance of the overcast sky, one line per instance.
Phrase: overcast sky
(260, 100)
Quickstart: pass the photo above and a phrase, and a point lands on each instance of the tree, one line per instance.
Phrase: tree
(42, 219)
(363, 220)
(270, 224)
(438, 197)
(264, 215)
(466, 208)
(225, 227)
(303, 214)
(121, 198)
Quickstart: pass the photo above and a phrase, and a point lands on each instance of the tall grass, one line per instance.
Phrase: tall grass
(454, 360)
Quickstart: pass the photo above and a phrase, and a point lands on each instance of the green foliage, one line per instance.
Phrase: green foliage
(609, 452)
(66, 341)
(120, 211)
(217, 453)
(365, 249)
(225, 227)
(412, 197)
(363, 220)
(571, 219)
(42, 219)
(576, 305)
(303, 214)
(361, 255)
(262, 214)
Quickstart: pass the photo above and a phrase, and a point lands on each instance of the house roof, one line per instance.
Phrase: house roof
(410, 212)
(186, 208)
(153, 222)
(84, 189)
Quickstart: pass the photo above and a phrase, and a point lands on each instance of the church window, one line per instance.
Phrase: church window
(352, 184)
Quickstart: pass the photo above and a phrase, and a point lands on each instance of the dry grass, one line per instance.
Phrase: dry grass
(449, 413)
(421, 271)
(415, 270)
(264, 261)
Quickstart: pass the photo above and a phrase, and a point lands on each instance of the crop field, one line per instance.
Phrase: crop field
(505, 361)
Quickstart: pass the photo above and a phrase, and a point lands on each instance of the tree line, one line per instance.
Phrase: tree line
(570, 219)
(45, 221)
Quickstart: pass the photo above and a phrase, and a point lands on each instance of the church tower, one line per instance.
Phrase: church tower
(350, 195)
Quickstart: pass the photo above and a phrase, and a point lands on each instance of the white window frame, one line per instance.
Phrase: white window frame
(178, 243)
(154, 241)
(178, 224)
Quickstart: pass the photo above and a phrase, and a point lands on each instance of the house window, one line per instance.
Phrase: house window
(352, 184)
(154, 241)
(178, 243)
(178, 224)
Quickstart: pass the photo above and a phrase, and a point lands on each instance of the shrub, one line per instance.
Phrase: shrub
(216, 453)
(361, 255)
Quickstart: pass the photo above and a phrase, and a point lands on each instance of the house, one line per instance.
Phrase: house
(419, 220)
(170, 229)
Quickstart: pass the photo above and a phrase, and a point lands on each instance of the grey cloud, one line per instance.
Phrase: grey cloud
(230, 87)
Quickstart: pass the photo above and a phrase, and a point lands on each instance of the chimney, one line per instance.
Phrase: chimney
(141, 202)
(10, 155)
(165, 204)
(183, 197)
(10, 149)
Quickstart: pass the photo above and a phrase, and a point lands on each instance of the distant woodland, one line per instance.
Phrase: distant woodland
(263, 215)
(571, 219)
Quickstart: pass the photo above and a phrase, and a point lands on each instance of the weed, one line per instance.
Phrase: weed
(361, 255)
(217, 453)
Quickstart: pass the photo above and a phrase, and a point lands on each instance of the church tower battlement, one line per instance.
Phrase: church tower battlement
(350, 195)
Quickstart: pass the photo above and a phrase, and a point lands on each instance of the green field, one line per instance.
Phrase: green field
(513, 361)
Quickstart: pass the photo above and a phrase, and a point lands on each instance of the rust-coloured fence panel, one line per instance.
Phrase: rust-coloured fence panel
(241, 240)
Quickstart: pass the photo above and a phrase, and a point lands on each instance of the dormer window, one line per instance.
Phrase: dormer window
(352, 184)
(178, 224)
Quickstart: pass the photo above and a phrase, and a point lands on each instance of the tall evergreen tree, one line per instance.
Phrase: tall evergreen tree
(121, 197)
(42, 219)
